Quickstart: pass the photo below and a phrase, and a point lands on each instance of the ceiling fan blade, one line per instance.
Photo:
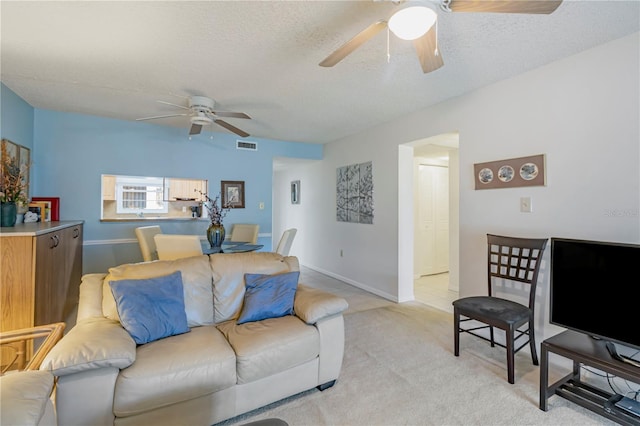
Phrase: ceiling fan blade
(160, 116)
(232, 128)
(231, 114)
(544, 7)
(195, 129)
(428, 52)
(175, 105)
(361, 38)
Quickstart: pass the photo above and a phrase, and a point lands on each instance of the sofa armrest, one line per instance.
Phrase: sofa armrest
(312, 305)
(92, 344)
(90, 304)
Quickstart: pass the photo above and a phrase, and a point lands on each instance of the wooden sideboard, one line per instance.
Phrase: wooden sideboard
(41, 272)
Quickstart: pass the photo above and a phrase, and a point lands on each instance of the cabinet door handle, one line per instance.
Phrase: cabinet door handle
(56, 240)
(76, 232)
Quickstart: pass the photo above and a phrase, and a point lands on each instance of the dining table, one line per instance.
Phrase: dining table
(231, 247)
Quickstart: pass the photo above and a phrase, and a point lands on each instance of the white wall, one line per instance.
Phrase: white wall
(582, 112)
(300, 216)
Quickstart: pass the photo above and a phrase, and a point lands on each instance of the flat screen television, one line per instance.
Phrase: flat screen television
(595, 289)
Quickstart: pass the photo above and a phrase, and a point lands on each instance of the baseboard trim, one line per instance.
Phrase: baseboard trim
(360, 285)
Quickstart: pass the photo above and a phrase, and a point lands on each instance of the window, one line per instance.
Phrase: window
(140, 195)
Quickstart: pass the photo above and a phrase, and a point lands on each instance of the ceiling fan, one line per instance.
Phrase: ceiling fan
(417, 22)
(201, 113)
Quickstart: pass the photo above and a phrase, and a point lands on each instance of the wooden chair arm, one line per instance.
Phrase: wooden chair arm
(52, 333)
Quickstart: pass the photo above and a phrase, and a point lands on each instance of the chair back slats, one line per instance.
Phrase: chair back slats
(515, 259)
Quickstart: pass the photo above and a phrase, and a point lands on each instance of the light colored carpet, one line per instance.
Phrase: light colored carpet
(399, 369)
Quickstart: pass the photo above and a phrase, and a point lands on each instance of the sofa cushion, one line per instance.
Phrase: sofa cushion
(151, 308)
(268, 296)
(270, 346)
(176, 369)
(196, 280)
(228, 278)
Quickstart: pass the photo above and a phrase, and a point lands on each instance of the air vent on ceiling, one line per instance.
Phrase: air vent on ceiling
(250, 146)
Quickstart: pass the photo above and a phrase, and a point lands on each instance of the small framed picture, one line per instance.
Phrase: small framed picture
(295, 192)
(232, 192)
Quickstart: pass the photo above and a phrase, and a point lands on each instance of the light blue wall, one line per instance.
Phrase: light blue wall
(72, 151)
(16, 118)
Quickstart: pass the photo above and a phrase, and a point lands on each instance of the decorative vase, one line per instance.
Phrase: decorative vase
(9, 214)
(215, 235)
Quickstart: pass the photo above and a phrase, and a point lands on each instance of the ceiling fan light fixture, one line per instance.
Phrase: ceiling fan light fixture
(412, 22)
(201, 120)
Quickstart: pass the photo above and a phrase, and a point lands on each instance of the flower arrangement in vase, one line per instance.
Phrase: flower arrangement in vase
(13, 186)
(216, 212)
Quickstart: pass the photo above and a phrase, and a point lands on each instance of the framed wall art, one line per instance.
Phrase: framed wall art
(295, 192)
(232, 192)
(511, 173)
(18, 158)
(354, 193)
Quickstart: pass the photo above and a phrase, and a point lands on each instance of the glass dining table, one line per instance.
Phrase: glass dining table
(231, 247)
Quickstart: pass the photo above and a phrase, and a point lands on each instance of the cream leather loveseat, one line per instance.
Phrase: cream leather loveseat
(216, 370)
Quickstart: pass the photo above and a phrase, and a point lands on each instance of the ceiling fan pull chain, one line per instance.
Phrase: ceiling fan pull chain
(388, 49)
(436, 52)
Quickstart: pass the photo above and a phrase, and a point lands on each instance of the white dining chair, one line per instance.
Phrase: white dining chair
(172, 246)
(244, 232)
(285, 241)
(147, 244)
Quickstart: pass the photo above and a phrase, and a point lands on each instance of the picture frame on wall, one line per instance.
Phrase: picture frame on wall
(510, 173)
(20, 156)
(232, 192)
(295, 192)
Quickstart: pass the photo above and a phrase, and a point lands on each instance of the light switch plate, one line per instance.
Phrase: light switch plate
(525, 204)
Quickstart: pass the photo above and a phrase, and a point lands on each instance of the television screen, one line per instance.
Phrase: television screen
(595, 289)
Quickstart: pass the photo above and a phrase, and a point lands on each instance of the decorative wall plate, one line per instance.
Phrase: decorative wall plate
(506, 173)
(485, 175)
(529, 171)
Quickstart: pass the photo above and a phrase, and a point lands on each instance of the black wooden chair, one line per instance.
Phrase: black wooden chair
(508, 259)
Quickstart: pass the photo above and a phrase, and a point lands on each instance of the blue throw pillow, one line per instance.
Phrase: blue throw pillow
(151, 308)
(268, 296)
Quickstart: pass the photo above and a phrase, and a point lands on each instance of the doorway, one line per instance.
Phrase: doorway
(429, 231)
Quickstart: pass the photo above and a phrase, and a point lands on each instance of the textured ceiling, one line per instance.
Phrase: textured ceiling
(116, 59)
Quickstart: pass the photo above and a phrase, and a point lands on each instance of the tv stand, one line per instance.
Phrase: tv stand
(582, 349)
(622, 358)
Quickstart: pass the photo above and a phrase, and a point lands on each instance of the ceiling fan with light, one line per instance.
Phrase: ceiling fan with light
(200, 111)
(417, 21)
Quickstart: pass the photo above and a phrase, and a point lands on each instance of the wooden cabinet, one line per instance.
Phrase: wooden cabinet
(108, 188)
(186, 188)
(41, 273)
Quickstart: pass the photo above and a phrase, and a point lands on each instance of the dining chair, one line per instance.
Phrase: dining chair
(244, 232)
(509, 260)
(284, 245)
(173, 246)
(145, 235)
